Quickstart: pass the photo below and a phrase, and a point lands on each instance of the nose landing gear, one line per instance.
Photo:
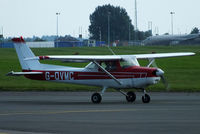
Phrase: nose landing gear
(146, 98)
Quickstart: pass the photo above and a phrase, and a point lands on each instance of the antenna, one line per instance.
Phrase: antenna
(111, 50)
(136, 27)
(109, 13)
(172, 27)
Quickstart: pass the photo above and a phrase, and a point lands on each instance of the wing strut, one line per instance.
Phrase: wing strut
(107, 72)
(151, 61)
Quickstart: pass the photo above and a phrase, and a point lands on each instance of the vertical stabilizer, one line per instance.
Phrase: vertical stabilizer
(23, 51)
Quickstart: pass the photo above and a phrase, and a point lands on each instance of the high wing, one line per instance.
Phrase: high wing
(163, 55)
(22, 73)
(86, 58)
(78, 58)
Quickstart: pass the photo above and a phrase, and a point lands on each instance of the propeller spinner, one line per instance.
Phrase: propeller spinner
(159, 73)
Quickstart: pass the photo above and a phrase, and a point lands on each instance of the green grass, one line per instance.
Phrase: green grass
(183, 73)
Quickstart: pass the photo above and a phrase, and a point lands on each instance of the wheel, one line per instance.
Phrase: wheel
(96, 98)
(146, 98)
(130, 96)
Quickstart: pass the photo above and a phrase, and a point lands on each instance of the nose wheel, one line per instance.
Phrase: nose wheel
(146, 98)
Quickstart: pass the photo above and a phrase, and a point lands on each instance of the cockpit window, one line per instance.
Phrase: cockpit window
(109, 65)
(91, 65)
(114, 65)
(128, 62)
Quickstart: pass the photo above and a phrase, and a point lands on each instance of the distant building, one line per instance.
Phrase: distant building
(66, 41)
(42, 44)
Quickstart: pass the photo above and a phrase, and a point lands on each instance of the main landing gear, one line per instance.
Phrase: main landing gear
(97, 97)
(130, 96)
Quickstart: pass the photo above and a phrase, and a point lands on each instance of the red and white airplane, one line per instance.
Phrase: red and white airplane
(106, 71)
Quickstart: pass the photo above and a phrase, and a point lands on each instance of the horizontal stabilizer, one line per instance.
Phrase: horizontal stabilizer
(22, 73)
(18, 40)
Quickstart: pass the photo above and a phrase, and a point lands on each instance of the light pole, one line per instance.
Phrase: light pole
(136, 27)
(57, 30)
(129, 31)
(109, 28)
(136, 23)
(172, 27)
(109, 33)
(57, 23)
(150, 27)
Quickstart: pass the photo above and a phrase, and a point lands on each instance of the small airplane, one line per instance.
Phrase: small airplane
(106, 71)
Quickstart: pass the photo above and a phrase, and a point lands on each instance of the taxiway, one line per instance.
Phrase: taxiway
(73, 112)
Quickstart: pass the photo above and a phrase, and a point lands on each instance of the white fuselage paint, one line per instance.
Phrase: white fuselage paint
(125, 83)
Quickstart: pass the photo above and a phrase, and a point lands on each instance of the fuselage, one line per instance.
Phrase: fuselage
(129, 77)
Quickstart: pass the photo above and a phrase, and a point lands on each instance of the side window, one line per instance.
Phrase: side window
(91, 67)
(124, 64)
(103, 64)
(109, 65)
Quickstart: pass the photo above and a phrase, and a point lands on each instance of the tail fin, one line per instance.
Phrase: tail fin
(23, 51)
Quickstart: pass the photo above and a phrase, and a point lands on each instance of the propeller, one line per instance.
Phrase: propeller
(165, 82)
(159, 73)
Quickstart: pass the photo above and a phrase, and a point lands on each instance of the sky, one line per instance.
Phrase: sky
(29, 18)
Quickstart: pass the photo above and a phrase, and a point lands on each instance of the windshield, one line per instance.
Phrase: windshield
(111, 65)
(128, 62)
(92, 67)
(107, 65)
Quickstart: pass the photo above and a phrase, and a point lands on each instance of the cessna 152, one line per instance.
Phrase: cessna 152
(107, 71)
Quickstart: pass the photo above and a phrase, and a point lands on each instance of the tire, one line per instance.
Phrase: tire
(96, 98)
(146, 98)
(130, 96)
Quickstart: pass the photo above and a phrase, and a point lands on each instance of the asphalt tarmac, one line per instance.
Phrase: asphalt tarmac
(73, 113)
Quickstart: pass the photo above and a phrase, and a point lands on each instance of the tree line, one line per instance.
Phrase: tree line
(114, 21)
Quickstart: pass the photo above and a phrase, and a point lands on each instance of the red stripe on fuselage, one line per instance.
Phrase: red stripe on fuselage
(133, 72)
